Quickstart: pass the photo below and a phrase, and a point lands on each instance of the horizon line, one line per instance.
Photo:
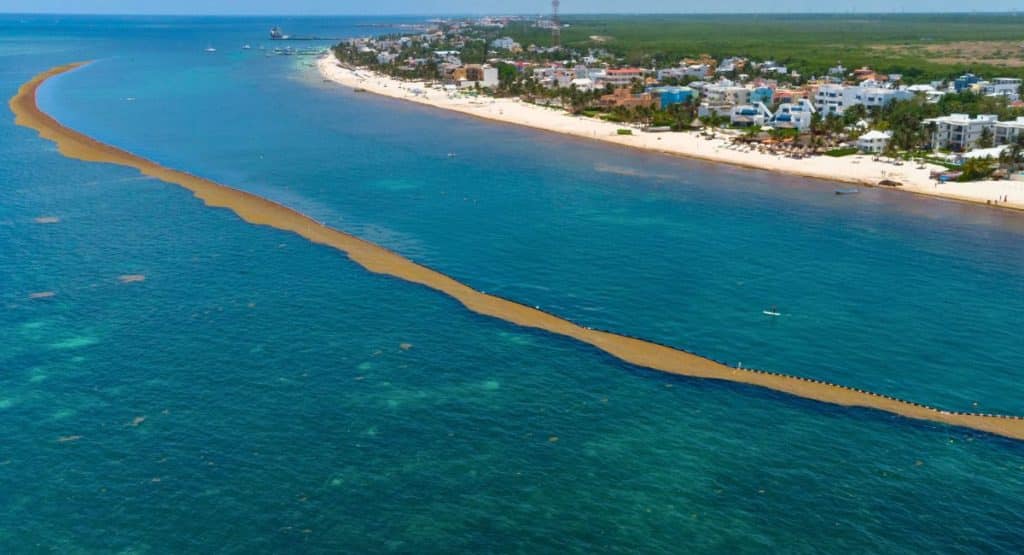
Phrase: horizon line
(530, 14)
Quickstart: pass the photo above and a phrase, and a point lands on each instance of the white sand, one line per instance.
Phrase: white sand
(862, 170)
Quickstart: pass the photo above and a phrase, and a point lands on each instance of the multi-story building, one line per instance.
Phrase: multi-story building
(761, 94)
(731, 64)
(748, 115)
(471, 75)
(505, 43)
(830, 100)
(877, 97)
(960, 132)
(672, 95)
(794, 115)
(582, 84)
(874, 141)
(622, 76)
(1008, 87)
(964, 82)
(783, 95)
(693, 71)
(555, 75)
(836, 99)
(624, 97)
(773, 67)
(726, 94)
(1008, 132)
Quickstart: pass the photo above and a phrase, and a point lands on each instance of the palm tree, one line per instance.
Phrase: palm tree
(931, 128)
(815, 127)
(985, 141)
(1009, 158)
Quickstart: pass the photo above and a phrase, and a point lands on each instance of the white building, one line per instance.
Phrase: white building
(746, 115)
(730, 64)
(770, 66)
(582, 84)
(725, 94)
(874, 142)
(447, 57)
(794, 115)
(505, 43)
(486, 76)
(877, 97)
(1008, 87)
(830, 100)
(836, 99)
(623, 77)
(554, 76)
(583, 72)
(705, 110)
(695, 71)
(1007, 132)
(960, 132)
(490, 79)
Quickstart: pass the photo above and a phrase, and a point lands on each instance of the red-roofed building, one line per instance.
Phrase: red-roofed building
(622, 76)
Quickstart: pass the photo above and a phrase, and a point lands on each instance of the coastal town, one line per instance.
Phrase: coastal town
(655, 277)
(966, 128)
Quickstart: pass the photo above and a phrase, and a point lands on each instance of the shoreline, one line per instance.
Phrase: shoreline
(260, 211)
(859, 170)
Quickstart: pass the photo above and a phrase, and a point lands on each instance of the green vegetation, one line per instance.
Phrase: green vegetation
(921, 48)
(976, 168)
(910, 44)
(906, 118)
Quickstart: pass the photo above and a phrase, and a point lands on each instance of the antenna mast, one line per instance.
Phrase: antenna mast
(556, 27)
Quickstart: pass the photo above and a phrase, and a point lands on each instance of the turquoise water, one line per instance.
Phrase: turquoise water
(281, 412)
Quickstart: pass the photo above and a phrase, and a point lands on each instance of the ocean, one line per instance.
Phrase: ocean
(260, 393)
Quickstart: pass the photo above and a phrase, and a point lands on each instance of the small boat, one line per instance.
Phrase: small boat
(246, 47)
(773, 311)
(452, 155)
(210, 49)
(358, 89)
(847, 191)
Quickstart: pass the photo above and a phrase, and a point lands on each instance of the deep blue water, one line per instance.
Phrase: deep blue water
(281, 413)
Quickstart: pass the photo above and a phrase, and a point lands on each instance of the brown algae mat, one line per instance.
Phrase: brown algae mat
(260, 211)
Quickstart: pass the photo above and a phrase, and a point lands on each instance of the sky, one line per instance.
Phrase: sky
(416, 7)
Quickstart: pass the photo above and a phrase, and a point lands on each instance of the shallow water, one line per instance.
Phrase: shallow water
(281, 412)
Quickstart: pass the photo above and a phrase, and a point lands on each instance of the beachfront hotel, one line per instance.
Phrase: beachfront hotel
(1008, 132)
(794, 115)
(833, 99)
(959, 132)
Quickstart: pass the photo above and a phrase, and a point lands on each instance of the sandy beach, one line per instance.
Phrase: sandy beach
(859, 169)
(257, 210)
